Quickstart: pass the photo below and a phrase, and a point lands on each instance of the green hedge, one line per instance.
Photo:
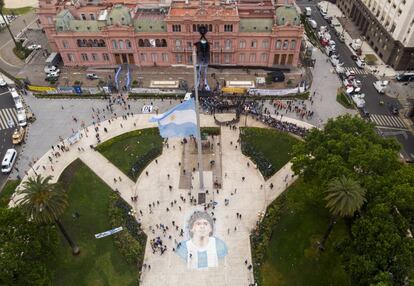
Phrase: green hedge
(260, 236)
(131, 240)
(214, 131)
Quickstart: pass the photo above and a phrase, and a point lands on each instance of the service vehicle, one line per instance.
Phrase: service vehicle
(18, 135)
(409, 76)
(8, 161)
(49, 69)
(34, 47)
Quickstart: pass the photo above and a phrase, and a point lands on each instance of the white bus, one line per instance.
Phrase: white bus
(238, 83)
(165, 84)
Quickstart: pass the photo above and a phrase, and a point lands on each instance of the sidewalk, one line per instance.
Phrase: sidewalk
(248, 197)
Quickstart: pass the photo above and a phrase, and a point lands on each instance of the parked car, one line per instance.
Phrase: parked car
(313, 23)
(354, 57)
(380, 86)
(18, 135)
(358, 99)
(350, 74)
(405, 77)
(91, 76)
(364, 113)
(34, 47)
(394, 109)
(2, 82)
(54, 74)
(49, 69)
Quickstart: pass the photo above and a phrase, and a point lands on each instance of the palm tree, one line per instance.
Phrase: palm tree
(6, 23)
(45, 203)
(344, 197)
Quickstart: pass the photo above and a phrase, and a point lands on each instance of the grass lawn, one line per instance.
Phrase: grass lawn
(269, 149)
(126, 150)
(344, 100)
(99, 262)
(292, 257)
(17, 11)
(7, 191)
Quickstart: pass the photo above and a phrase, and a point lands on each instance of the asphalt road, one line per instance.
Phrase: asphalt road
(6, 103)
(372, 97)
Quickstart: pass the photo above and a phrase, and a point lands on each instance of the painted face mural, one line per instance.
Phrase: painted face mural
(202, 250)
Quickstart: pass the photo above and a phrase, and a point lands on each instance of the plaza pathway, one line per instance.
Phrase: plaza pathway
(243, 186)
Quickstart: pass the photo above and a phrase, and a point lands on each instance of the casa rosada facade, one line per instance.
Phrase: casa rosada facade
(151, 33)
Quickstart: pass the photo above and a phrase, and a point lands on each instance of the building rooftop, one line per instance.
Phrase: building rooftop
(256, 25)
(286, 15)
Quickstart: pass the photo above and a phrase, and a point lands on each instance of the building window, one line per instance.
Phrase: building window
(285, 44)
(190, 59)
(164, 57)
(143, 57)
(95, 57)
(83, 16)
(253, 44)
(293, 44)
(216, 44)
(216, 58)
(228, 28)
(128, 44)
(194, 28)
(71, 58)
(176, 28)
(242, 44)
(278, 44)
(178, 43)
(252, 58)
(65, 44)
(265, 44)
(178, 59)
(114, 44)
(241, 58)
(154, 57)
(227, 44)
(92, 16)
(189, 45)
(140, 43)
(84, 57)
(121, 44)
(105, 57)
(227, 58)
(265, 57)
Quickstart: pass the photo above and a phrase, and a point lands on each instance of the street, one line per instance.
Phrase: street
(372, 97)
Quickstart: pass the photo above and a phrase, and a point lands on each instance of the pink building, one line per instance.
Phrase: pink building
(264, 33)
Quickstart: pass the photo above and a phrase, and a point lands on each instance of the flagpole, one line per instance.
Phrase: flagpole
(201, 191)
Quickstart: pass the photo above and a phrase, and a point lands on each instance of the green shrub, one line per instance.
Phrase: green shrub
(344, 100)
(370, 59)
(260, 236)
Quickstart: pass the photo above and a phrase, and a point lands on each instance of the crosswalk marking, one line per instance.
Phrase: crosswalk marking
(7, 114)
(388, 121)
(356, 70)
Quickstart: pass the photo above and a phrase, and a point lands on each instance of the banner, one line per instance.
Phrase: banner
(41, 88)
(147, 109)
(109, 232)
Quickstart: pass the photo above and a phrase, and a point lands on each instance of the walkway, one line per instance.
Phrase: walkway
(248, 197)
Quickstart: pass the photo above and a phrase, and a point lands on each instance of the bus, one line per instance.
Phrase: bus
(165, 84)
(239, 83)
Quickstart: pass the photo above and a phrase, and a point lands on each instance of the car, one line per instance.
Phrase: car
(364, 113)
(18, 135)
(354, 57)
(91, 76)
(350, 74)
(409, 76)
(10, 123)
(341, 38)
(360, 63)
(34, 47)
(329, 20)
(54, 74)
(381, 86)
(2, 82)
(358, 99)
(8, 161)
(49, 69)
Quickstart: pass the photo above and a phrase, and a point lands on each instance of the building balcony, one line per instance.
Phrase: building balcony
(178, 49)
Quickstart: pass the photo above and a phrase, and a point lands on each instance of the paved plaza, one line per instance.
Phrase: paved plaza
(248, 197)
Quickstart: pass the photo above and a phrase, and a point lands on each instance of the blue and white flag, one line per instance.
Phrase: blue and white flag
(179, 121)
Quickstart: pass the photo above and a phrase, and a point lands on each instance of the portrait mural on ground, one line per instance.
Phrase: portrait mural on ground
(202, 249)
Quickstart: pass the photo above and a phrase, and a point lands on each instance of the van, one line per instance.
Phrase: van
(308, 11)
(21, 119)
(8, 161)
(19, 106)
(313, 23)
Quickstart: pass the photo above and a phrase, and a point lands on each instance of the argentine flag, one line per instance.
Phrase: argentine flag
(180, 121)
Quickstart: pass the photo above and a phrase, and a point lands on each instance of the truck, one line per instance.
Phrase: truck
(53, 60)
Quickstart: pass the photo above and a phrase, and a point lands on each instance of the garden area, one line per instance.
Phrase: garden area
(269, 149)
(288, 249)
(133, 151)
(91, 211)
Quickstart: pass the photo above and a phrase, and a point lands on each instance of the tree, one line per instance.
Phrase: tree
(27, 249)
(45, 203)
(346, 146)
(5, 22)
(344, 197)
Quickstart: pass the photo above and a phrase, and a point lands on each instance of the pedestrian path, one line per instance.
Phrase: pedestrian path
(356, 70)
(388, 121)
(8, 115)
